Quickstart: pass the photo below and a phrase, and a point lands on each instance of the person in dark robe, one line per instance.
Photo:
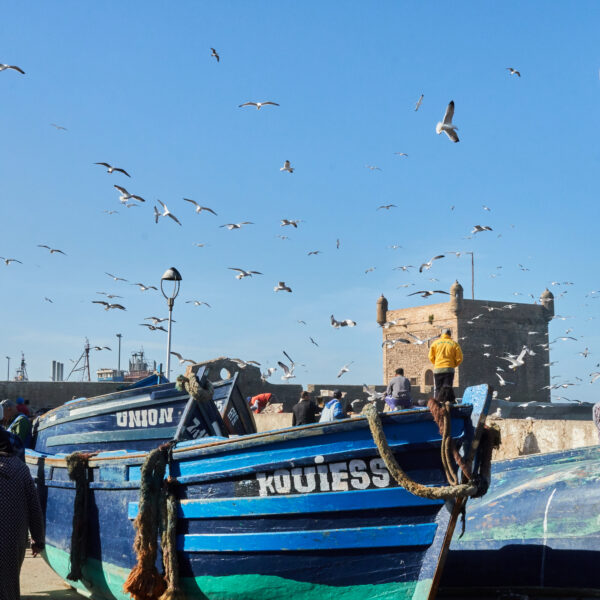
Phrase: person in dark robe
(305, 411)
(20, 512)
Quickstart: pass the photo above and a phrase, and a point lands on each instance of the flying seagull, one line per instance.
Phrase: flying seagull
(287, 166)
(157, 320)
(199, 208)
(166, 213)
(268, 373)
(513, 71)
(231, 226)
(293, 222)
(215, 54)
(52, 250)
(7, 261)
(13, 67)
(446, 125)
(108, 306)
(314, 252)
(419, 342)
(344, 323)
(145, 288)
(153, 327)
(427, 293)
(281, 287)
(48, 300)
(344, 369)
(419, 102)
(288, 373)
(198, 303)
(372, 168)
(429, 264)
(183, 360)
(515, 361)
(58, 127)
(115, 277)
(125, 195)
(313, 342)
(480, 228)
(243, 273)
(401, 154)
(258, 105)
(111, 169)
(387, 206)
(390, 343)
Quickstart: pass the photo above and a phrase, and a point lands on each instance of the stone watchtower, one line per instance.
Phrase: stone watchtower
(486, 331)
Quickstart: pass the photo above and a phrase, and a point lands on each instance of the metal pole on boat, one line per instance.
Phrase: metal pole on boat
(173, 275)
(8, 368)
(119, 335)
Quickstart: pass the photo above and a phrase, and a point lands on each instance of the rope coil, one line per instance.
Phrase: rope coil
(448, 492)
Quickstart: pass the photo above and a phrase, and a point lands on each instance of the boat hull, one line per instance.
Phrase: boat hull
(310, 511)
(538, 525)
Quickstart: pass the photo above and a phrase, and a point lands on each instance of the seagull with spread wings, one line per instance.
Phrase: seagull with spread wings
(231, 226)
(7, 261)
(183, 360)
(345, 323)
(200, 208)
(111, 169)
(198, 303)
(115, 277)
(287, 166)
(215, 54)
(386, 206)
(145, 288)
(243, 273)
(429, 264)
(153, 327)
(13, 67)
(258, 105)
(480, 228)
(292, 222)
(166, 213)
(281, 287)
(344, 369)
(125, 195)
(419, 102)
(446, 125)
(419, 342)
(427, 293)
(513, 71)
(51, 250)
(108, 306)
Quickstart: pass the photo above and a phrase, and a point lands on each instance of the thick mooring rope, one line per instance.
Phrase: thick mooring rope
(418, 489)
(190, 384)
(144, 581)
(77, 468)
(168, 519)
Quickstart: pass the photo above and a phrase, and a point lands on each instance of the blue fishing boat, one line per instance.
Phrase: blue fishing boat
(538, 527)
(311, 512)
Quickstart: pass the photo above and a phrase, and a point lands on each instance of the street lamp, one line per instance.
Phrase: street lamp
(173, 275)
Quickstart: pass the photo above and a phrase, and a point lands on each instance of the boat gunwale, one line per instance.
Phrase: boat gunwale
(256, 439)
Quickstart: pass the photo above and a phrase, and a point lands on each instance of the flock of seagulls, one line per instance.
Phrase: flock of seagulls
(162, 211)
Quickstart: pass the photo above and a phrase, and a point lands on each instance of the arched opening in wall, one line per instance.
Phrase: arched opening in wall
(429, 377)
(224, 374)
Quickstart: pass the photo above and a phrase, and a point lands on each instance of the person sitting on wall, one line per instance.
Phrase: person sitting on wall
(333, 409)
(445, 355)
(397, 394)
(305, 411)
(15, 422)
(259, 402)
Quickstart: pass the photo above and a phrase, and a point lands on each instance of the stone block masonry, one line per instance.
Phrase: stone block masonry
(486, 331)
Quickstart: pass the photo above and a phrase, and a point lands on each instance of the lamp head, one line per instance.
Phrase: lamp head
(173, 275)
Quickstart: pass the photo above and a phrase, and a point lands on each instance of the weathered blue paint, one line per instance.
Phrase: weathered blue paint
(212, 508)
(538, 525)
(325, 539)
(350, 529)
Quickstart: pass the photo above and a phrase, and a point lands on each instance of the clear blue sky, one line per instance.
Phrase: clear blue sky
(135, 85)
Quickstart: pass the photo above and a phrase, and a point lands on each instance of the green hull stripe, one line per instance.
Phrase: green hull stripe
(107, 580)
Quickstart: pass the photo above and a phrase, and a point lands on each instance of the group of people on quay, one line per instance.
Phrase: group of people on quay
(444, 354)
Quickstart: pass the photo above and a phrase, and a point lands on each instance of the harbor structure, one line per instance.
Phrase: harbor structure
(487, 331)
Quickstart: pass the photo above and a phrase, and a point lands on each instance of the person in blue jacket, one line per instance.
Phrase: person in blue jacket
(333, 409)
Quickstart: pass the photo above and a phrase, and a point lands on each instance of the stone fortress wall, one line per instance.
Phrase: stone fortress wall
(481, 327)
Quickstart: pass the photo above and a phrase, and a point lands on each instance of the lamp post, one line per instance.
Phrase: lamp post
(173, 275)
(8, 368)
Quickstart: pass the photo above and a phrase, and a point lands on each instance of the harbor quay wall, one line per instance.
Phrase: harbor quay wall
(519, 436)
(48, 394)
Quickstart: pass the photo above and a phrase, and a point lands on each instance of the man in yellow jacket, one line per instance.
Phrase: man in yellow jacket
(445, 355)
